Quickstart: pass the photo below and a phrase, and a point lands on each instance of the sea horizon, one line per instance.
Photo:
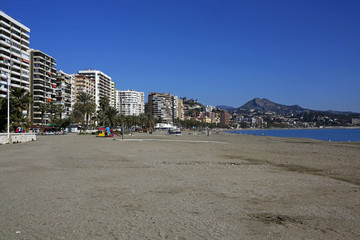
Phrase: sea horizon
(338, 134)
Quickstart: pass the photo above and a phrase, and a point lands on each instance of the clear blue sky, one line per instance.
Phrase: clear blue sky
(219, 52)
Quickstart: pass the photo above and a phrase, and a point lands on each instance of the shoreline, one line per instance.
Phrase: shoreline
(248, 129)
(179, 187)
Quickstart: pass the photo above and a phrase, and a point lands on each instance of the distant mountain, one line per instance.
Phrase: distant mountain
(227, 108)
(265, 105)
(336, 112)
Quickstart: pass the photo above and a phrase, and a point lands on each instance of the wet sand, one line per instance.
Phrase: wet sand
(220, 186)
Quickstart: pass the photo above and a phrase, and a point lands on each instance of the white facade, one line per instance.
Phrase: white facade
(42, 83)
(164, 106)
(112, 99)
(209, 108)
(64, 92)
(102, 84)
(14, 54)
(130, 103)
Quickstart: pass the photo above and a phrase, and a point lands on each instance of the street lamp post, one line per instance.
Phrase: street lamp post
(8, 103)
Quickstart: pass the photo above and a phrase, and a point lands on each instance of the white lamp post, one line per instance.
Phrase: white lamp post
(3, 76)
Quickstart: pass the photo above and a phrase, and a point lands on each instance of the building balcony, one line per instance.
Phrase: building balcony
(6, 30)
(25, 35)
(16, 61)
(5, 44)
(5, 24)
(26, 88)
(24, 64)
(38, 85)
(25, 40)
(14, 66)
(14, 77)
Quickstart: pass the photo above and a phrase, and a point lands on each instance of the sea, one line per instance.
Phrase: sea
(325, 134)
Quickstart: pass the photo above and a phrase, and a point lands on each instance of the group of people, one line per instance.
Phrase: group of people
(19, 130)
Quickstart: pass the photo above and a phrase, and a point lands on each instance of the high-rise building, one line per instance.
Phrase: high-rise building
(181, 109)
(112, 99)
(163, 106)
(102, 84)
(63, 92)
(224, 118)
(130, 102)
(210, 115)
(42, 84)
(14, 54)
(83, 84)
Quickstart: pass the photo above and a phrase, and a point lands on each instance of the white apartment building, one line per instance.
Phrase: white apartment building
(164, 106)
(42, 84)
(63, 92)
(130, 102)
(14, 54)
(82, 84)
(209, 108)
(102, 84)
(112, 99)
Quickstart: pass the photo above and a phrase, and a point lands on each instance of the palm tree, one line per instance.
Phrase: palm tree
(43, 108)
(20, 102)
(52, 109)
(86, 106)
(3, 113)
(76, 116)
(150, 121)
(60, 109)
(90, 109)
(104, 105)
(119, 119)
(111, 113)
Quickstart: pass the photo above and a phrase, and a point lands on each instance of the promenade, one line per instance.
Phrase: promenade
(156, 186)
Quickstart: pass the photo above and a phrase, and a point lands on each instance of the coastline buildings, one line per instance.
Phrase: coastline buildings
(42, 84)
(130, 102)
(102, 84)
(164, 106)
(63, 92)
(83, 84)
(181, 115)
(112, 98)
(209, 108)
(14, 54)
(224, 118)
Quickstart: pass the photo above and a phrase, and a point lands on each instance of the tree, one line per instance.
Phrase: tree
(86, 106)
(120, 119)
(150, 121)
(43, 108)
(3, 113)
(52, 109)
(111, 113)
(104, 105)
(20, 101)
(63, 123)
(76, 116)
(60, 109)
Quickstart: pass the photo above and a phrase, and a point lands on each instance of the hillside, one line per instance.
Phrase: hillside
(264, 105)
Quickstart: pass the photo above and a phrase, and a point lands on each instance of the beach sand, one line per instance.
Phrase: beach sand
(156, 186)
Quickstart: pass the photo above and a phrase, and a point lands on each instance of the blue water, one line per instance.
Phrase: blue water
(336, 135)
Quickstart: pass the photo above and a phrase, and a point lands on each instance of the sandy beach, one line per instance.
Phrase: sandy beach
(156, 186)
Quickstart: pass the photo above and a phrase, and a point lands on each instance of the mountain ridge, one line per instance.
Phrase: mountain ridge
(265, 105)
